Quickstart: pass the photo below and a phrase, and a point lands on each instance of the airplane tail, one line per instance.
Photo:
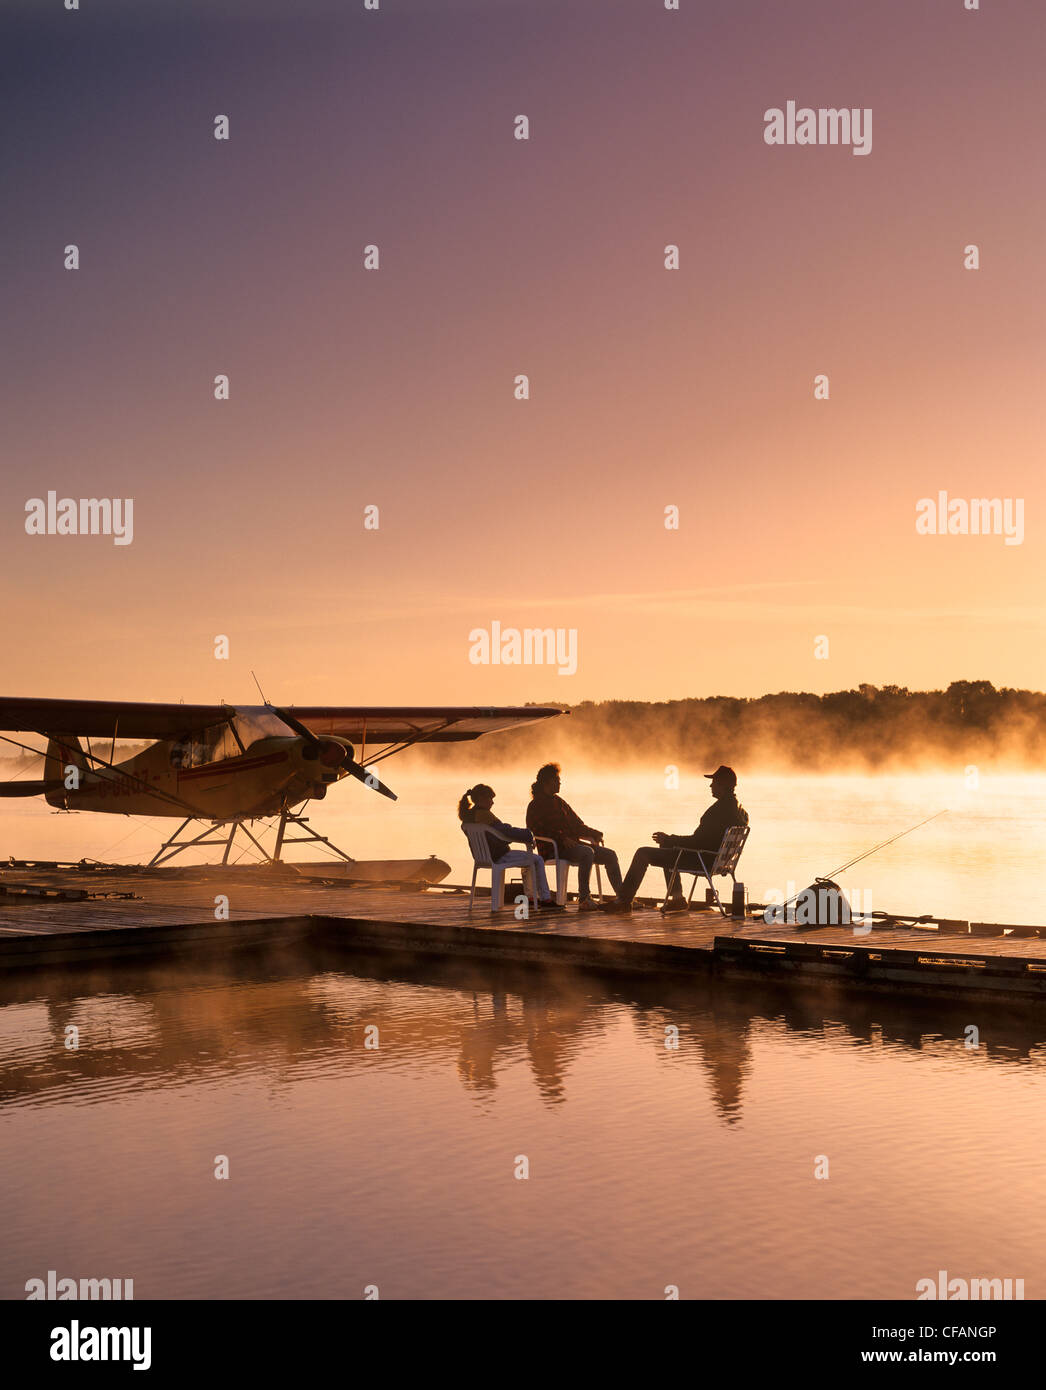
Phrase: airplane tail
(65, 767)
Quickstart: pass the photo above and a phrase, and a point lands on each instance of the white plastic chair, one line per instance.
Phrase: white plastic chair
(725, 862)
(563, 868)
(483, 859)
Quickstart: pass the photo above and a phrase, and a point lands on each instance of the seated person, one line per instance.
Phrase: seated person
(708, 836)
(474, 808)
(549, 815)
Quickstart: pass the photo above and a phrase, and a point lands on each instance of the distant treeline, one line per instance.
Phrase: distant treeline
(969, 723)
(850, 730)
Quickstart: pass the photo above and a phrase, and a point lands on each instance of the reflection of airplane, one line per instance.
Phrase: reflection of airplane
(224, 765)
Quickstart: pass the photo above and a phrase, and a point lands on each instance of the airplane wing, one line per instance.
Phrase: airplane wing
(364, 724)
(373, 725)
(108, 718)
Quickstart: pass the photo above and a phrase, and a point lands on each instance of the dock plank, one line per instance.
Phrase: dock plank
(178, 904)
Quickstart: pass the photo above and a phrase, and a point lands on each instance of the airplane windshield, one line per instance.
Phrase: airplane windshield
(253, 722)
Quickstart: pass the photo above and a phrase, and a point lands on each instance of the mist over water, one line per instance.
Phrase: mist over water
(871, 729)
(983, 861)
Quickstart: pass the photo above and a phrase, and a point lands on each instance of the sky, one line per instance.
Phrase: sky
(395, 388)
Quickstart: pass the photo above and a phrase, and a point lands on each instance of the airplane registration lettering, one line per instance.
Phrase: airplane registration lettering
(123, 785)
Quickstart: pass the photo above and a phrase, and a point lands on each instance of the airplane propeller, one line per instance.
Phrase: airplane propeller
(322, 747)
(362, 774)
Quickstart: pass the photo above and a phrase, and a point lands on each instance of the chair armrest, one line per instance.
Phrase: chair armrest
(546, 840)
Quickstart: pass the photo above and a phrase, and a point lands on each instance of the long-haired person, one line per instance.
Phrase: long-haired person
(475, 808)
(549, 816)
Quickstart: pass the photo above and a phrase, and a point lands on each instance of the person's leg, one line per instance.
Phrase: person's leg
(675, 898)
(583, 857)
(540, 875)
(690, 863)
(641, 861)
(673, 883)
(523, 859)
(608, 860)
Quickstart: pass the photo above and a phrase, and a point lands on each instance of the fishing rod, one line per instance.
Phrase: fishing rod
(882, 845)
(827, 878)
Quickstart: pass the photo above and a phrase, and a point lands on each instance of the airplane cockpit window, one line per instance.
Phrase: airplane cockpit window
(253, 722)
(213, 743)
(204, 746)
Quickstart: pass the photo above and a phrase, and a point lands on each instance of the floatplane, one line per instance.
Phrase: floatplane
(223, 766)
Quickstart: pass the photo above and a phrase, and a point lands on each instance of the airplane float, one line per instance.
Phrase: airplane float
(223, 765)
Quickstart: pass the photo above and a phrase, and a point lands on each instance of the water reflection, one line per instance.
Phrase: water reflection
(149, 1027)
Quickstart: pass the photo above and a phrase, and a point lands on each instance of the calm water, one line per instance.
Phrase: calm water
(648, 1166)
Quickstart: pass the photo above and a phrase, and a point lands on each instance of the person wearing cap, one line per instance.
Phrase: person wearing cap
(717, 820)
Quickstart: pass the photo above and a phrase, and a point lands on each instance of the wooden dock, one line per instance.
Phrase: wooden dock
(61, 914)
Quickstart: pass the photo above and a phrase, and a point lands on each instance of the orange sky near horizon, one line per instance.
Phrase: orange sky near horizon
(649, 387)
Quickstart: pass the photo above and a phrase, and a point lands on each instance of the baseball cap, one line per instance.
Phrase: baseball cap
(725, 774)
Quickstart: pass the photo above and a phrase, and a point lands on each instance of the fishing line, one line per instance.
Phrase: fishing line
(874, 850)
